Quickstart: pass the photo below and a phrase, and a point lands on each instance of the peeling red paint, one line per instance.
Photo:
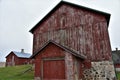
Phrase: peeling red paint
(81, 30)
(55, 63)
(49, 52)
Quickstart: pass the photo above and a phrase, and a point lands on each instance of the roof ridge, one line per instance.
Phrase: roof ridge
(74, 4)
(20, 52)
(22, 55)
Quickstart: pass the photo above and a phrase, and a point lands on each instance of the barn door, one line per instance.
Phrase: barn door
(53, 70)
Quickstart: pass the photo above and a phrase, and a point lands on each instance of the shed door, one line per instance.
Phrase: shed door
(53, 69)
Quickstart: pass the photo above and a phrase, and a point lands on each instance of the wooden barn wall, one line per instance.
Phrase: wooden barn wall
(11, 61)
(74, 70)
(22, 61)
(117, 65)
(49, 53)
(52, 54)
(79, 29)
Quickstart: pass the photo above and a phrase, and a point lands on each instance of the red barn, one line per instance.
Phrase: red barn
(116, 59)
(71, 43)
(17, 58)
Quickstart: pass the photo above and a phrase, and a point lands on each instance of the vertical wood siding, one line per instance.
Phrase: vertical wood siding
(79, 29)
(50, 52)
(54, 69)
(55, 63)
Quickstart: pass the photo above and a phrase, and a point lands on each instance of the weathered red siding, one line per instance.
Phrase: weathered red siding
(55, 63)
(49, 52)
(74, 67)
(53, 69)
(79, 29)
(10, 61)
(22, 61)
(117, 65)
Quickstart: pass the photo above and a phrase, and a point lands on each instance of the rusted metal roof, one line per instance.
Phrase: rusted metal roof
(73, 52)
(75, 5)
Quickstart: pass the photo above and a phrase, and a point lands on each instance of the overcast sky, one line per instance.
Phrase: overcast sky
(17, 17)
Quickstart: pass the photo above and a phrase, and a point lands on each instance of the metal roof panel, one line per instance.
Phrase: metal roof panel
(22, 55)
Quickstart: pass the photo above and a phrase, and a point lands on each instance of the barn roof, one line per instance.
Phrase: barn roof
(107, 15)
(20, 54)
(73, 52)
(116, 56)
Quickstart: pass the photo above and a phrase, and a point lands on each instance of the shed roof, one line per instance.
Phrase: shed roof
(116, 56)
(73, 52)
(107, 15)
(20, 54)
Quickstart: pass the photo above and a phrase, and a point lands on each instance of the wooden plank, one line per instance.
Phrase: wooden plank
(53, 58)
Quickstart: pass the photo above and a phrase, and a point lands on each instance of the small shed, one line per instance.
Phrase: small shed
(116, 59)
(17, 58)
(55, 61)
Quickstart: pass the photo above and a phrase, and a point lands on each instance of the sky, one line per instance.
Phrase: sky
(17, 17)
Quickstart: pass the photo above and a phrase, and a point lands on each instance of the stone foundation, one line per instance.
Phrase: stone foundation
(103, 70)
(37, 78)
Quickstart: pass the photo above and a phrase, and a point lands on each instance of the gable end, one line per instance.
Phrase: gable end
(61, 46)
(107, 15)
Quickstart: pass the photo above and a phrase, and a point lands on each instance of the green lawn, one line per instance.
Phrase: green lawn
(118, 75)
(23, 72)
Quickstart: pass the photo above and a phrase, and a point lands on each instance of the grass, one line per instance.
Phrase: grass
(118, 75)
(23, 72)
